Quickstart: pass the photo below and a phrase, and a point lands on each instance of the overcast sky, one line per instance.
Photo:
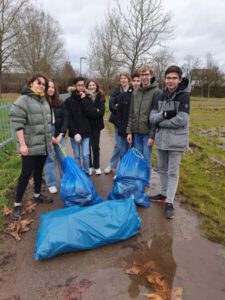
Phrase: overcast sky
(199, 26)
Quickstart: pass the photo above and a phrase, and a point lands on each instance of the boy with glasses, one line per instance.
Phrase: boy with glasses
(171, 116)
(139, 127)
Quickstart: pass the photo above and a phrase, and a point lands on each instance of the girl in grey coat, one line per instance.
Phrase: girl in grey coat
(31, 119)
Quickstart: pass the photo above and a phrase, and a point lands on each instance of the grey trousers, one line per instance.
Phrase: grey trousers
(168, 167)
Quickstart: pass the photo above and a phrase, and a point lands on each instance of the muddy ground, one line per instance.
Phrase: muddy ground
(181, 255)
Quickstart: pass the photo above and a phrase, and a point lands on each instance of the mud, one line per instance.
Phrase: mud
(181, 255)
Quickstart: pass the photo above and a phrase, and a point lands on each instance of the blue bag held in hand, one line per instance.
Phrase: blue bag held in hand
(75, 187)
(131, 179)
(80, 228)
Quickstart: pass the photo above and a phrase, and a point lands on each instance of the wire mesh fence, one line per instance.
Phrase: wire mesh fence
(6, 136)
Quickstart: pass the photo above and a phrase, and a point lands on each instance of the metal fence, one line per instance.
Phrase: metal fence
(5, 127)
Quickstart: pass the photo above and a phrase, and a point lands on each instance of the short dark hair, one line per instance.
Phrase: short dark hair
(174, 69)
(135, 74)
(79, 78)
(36, 76)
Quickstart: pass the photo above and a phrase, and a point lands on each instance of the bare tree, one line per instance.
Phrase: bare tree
(161, 60)
(139, 29)
(190, 66)
(103, 53)
(39, 46)
(9, 12)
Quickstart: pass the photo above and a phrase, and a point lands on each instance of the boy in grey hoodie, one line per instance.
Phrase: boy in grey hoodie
(170, 114)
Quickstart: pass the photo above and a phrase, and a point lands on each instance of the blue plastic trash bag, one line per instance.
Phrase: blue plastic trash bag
(75, 186)
(131, 179)
(80, 228)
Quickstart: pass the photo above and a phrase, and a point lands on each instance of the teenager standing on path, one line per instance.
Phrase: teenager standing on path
(31, 119)
(124, 80)
(123, 111)
(59, 127)
(171, 115)
(97, 124)
(80, 109)
(138, 124)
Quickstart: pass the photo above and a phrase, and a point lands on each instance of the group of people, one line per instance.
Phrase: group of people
(142, 115)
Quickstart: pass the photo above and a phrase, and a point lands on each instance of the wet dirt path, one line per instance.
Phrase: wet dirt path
(180, 253)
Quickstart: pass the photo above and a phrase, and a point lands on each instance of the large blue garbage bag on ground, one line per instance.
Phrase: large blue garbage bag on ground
(75, 186)
(79, 228)
(131, 179)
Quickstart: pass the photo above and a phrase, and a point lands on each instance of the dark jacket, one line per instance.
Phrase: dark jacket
(98, 103)
(140, 108)
(61, 119)
(31, 113)
(80, 111)
(123, 111)
(172, 134)
(113, 105)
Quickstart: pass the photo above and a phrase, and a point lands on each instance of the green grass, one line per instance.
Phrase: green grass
(9, 172)
(202, 181)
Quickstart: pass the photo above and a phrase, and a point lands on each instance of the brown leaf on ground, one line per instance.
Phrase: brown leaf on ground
(135, 269)
(153, 296)
(16, 228)
(124, 264)
(7, 211)
(177, 293)
(30, 206)
(149, 266)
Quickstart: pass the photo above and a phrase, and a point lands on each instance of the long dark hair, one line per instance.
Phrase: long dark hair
(98, 90)
(55, 99)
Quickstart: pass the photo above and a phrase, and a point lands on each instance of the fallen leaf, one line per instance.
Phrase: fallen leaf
(177, 293)
(16, 228)
(7, 211)
(153, 296)
(124, 264)
(73, 292)
(134, 270)
(149, 266)
(30, 206)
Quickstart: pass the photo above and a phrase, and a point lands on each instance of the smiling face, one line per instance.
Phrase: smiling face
(136, 82)
(92, 87)
(146, 77)
(172, 81)
(51, 89)
(38, 85)
(124, 81)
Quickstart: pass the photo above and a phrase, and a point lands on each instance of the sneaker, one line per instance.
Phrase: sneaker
(90, 171)
(53, 189)
(158, 198)
(17, 211)
(98, 171)
(108, 170)
(169, 211)
(43, 199)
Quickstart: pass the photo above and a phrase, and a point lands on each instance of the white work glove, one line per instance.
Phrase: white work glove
(78, 138)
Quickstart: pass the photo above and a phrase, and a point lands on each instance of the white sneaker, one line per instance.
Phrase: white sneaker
(108, 170)
(98, 171)
(90, 171)
(53, 189)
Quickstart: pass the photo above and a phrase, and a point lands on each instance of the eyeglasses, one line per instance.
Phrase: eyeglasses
(172, 78)
(145, 74)
(39, 82)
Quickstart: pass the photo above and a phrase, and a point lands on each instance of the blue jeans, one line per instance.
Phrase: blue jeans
(124, 147)
(116, 151)
(49, 168)
(81, 149)
(140, 142)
